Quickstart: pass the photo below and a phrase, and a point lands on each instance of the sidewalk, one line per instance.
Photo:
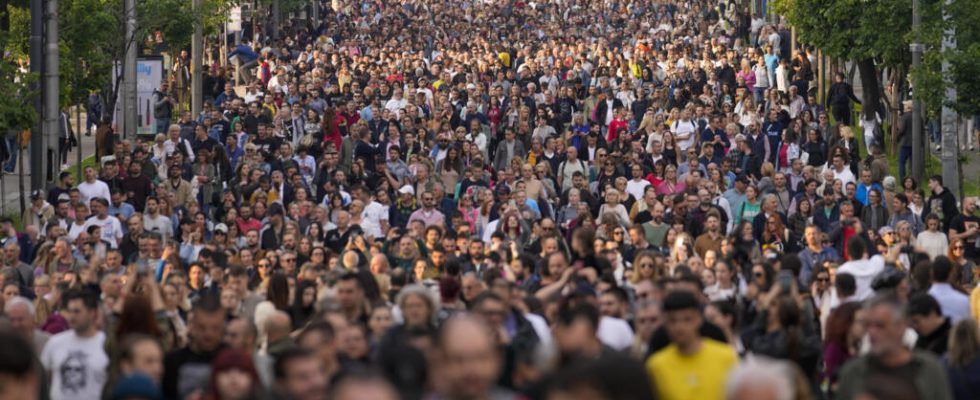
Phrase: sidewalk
(10, 188)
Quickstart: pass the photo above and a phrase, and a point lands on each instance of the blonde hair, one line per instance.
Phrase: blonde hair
(846, 132)
(964, 343)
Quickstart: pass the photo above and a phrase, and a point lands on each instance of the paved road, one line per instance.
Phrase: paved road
(10, 188)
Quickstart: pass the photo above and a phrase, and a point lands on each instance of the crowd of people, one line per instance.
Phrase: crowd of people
(499, 199)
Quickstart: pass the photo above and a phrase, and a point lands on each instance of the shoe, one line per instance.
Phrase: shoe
(938, 147)
(65, 167)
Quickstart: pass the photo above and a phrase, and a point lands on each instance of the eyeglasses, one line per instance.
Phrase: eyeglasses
(426, 199)
(547, 228)
(957, 247)
(617, 233)
(823, 279)
(758, 274)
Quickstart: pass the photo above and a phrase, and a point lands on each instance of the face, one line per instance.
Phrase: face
(147, 359)
(470, 362)
(80, 318)
(683, 325)
(884, 329)
(304, 378)
(208, 329)
(233, 384)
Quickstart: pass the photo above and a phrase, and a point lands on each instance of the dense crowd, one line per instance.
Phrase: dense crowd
(498, 199)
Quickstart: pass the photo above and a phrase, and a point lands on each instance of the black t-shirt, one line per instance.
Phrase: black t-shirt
(186, 371)
(962, 223)
(368, 153)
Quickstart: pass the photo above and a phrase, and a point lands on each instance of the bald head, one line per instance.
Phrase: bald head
(470, 354)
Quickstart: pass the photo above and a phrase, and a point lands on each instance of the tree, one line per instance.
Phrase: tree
(929, 83)
(870, 32)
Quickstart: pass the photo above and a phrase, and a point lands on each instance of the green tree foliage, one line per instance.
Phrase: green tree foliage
(873, 33)
(964, 74)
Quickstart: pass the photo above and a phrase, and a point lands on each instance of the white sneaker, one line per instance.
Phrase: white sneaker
(938, 147)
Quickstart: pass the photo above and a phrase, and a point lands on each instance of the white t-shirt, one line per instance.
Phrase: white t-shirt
(615, 333)
(77, 365)
(112, 231)
(636, 188)
(845, 176)
(373, 214)
(161, 225)
(95, 189)
(864, 271)
(685, 133)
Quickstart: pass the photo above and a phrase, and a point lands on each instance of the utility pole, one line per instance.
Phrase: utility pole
(274, 32)
(52, 112)
(951, 147)
(37, 67)
(130, 120)
(197, 52)
(918, 144)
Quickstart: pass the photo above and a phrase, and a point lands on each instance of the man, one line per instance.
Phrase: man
(66, 180)
(299, 375)
(508, 149)
(153, 221)
(19, 376)
(841, 170)
(112, 231)
(428, 215)
(277, 329)
(20, 314)
(890, 358)
(92, 187)
(470, 360)
(874, 215)
(187, 370)
(966, 226)
(363, 386)
(861, 267)
(955, 305)
(814, 254)
(926, 318)
(711, 238)
(690, 367)
(350, 298)
(900, 203)
(904, 139)
(839, 99)
(75, 359)
(272, 233)
(941, 202)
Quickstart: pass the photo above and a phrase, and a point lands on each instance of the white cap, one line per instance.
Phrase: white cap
(407, 189)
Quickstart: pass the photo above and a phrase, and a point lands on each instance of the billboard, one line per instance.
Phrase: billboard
(149, 75)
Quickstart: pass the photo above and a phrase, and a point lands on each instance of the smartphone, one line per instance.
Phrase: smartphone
(785, 281)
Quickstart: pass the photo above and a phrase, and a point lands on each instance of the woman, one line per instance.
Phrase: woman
(723, 314)
(797, 222)
(303, 302)
(671, 152)
(680, 251)
(957, 254)
(962, 360)
(206, 180)
(379, 323)
(469, 212)
(513, 228)
(744, 246)
(780, 334)
(670, 185)
(422, 269)
(774, 236)
(726, 283)
(842, 340)
(450, 168)
(418, 307)
(909, 186)
(645, 268)
(932, 241)
(233, 377)
(750, 207)
(814, 150)
(613, 207)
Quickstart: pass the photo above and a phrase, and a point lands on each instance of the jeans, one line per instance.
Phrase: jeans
(758, 94)
(904, 156)
(11, 163)
(161, 125)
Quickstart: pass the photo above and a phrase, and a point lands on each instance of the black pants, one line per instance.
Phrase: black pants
(842, 113)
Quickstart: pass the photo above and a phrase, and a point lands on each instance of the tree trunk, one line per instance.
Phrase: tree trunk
(871, 87)
(4, 21)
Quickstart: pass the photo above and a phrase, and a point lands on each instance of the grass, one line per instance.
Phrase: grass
(933, 165)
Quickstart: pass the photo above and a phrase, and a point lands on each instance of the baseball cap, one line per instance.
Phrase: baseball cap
(37, 194)
(221, 228)
(407, 189)
(884, 230)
